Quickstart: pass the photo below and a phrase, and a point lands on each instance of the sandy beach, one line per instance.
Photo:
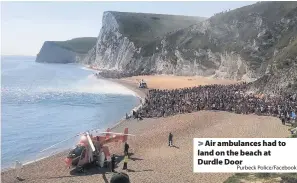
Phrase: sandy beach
(152, 160)
(173, 82)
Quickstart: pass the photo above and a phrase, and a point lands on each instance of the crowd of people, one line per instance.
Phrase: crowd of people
(118, 74)
(232, 98)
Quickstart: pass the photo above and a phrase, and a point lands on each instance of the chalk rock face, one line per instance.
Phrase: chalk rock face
(113, 50)
(253, 43)
(243, 44)
(71, 51)
(52, 53)
(123, 35)
(89, 57)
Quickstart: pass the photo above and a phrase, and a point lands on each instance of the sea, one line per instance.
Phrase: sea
(43, 104)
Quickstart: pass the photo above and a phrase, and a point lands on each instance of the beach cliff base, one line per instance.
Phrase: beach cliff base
(152, 161)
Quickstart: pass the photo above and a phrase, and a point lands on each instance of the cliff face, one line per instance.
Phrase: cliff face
(123, 35)
(244, 44)
(252, 43)
(71, 51)
(52, 53)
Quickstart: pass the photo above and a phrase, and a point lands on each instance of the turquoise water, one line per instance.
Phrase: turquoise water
(43, 104)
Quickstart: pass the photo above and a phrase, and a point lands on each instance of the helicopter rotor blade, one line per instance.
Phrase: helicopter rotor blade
(110, 132)
(117, 133)
(59, 143)
(90, 142)
(104, 132)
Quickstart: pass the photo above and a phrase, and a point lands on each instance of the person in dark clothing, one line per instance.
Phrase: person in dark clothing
(283, 120)
(113, 161)
(125, 166)
(134, 114)
(120, 178)
(139, 117)
(126, 148)
(170, 139)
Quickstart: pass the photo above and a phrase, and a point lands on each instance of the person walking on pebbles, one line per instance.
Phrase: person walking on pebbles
(18, 169)
(126, 148)
(170, 139)
(125, 162)
(120, 178)
(113, 161)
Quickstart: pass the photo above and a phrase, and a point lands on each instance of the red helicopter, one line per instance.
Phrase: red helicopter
(92, 149)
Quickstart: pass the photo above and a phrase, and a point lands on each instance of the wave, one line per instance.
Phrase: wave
(91, 85)
(88, 85)
(88, 69)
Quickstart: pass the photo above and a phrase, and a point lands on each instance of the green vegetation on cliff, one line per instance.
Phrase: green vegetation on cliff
(142, 28)
(78, 45)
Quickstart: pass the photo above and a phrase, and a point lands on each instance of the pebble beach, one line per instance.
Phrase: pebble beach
(152, 160)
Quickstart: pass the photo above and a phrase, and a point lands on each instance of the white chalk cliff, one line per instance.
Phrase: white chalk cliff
(248, 43)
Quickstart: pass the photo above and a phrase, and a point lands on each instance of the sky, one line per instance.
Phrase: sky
(26, 25)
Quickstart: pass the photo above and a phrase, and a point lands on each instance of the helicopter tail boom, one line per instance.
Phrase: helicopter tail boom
(125, 137)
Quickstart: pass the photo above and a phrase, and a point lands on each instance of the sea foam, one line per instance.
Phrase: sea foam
(90, 85)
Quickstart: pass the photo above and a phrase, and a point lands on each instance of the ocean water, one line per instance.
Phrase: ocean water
(42, 104)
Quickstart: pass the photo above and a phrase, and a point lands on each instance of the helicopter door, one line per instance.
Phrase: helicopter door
(101, 159)
(83, 154)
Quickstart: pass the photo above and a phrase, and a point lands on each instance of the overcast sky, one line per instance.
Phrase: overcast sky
(26, 25)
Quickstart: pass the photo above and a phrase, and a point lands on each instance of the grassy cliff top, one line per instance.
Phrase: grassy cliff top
(142, 28)
(79, 45)
(272, 11)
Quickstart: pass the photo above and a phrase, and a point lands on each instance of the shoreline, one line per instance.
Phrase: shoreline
(150, 151)
(138, 94)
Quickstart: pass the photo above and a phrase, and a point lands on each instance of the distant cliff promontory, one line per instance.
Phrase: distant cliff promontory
(253, 43)
(70, 51)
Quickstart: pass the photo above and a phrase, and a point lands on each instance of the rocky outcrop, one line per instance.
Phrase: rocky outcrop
(53, 53)
(252, 43)
(243, 44)
(123, 35)
(89, 57)
(70, 51)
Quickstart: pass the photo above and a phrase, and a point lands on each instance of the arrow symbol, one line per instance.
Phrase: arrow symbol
(200, 143)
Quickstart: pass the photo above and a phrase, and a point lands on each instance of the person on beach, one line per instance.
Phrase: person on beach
(18, 169)
(231, 98)
(125, 162)
(170, 139)
(113, 161)
(134, 114)
(126, 148)
(120, 178)
(282, 118)
(139, 116)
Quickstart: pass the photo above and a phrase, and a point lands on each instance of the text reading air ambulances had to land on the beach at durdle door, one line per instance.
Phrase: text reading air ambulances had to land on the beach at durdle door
(244, 155)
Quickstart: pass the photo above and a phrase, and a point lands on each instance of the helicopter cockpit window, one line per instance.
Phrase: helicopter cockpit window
(77, 151)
